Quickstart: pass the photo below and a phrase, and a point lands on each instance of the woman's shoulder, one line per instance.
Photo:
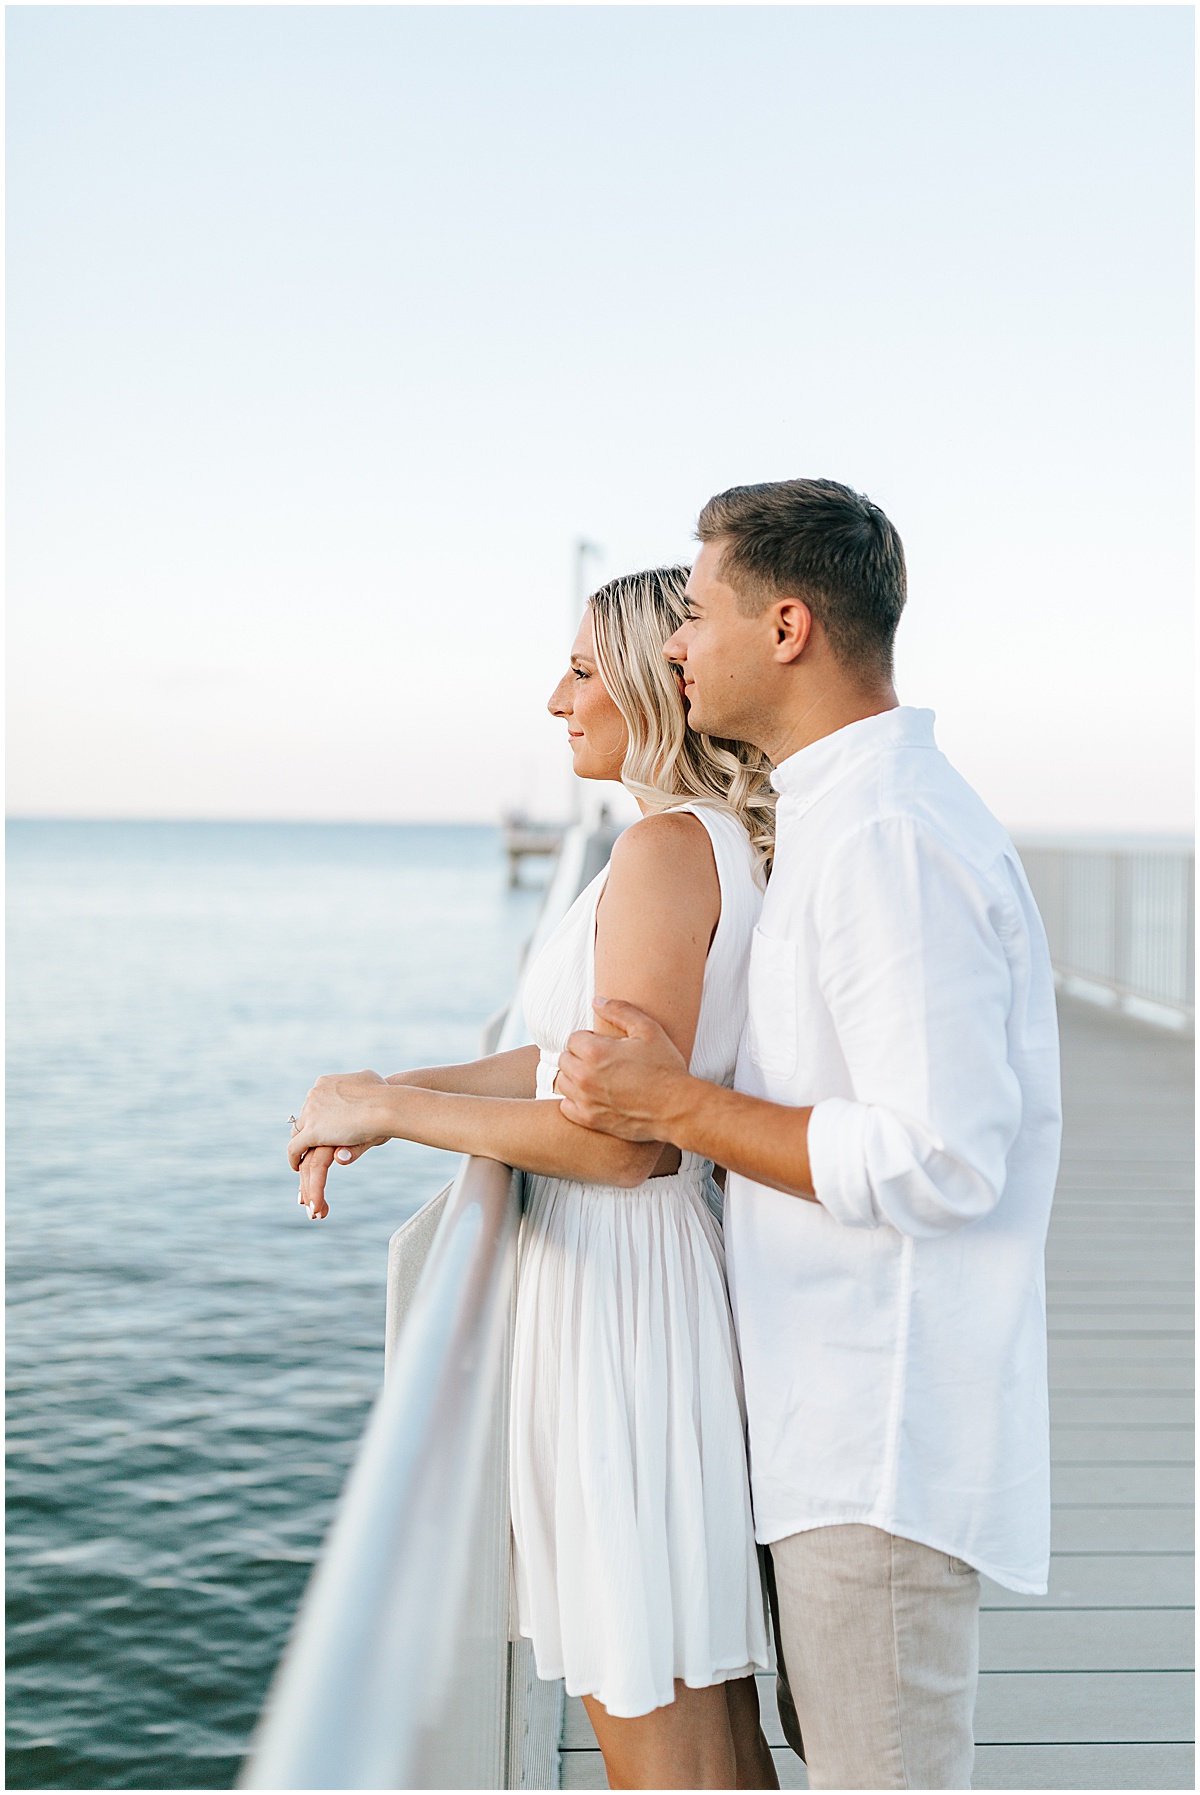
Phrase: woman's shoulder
(703, 834)
(667, 839)
(704, 849)
(667, 855)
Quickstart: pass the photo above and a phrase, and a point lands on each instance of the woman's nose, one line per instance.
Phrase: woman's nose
(557, 703)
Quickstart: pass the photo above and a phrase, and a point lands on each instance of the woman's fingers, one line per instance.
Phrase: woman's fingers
(314, 1169)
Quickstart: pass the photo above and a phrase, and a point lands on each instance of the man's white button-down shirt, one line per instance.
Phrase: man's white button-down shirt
(893, 1333)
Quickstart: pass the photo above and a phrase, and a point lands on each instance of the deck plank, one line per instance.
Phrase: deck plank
(1087, 1639)
(1126, 1530)
(1083, 1767)
(1107, 1580)
(1116, 1485)
(1109, 1408)
(1098, 1706)
(1078, 1443)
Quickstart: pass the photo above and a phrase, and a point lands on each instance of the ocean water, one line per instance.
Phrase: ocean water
(191, 1359)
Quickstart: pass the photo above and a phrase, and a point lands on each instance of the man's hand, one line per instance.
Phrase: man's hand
(626, 1079)
(630, 1080)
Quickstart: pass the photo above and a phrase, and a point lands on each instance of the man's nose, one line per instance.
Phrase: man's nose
(674, 648)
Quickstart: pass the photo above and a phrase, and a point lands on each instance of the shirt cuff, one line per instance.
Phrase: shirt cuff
(837, 1159)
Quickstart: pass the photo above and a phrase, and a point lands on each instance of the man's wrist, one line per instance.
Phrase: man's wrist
(676, 1110)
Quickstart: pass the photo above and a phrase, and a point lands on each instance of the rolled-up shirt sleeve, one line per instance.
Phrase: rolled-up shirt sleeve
(912, 965)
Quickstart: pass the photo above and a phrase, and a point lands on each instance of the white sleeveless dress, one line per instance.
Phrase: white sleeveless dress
(634, 1557)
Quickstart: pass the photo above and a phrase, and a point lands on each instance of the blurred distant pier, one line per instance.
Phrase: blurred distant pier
(524, 839)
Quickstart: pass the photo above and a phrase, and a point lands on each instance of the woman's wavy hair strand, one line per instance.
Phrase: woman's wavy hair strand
(668, 764)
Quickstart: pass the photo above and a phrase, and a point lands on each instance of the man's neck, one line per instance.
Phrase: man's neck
(827, 712)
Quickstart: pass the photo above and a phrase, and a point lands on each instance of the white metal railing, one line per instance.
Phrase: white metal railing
(399, 1672)
(1120, 918)
(385, 1646)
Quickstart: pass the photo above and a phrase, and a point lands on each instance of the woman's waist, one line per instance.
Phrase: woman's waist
(693, 1174)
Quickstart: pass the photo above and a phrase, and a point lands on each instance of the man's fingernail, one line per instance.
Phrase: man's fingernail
(343, 1154)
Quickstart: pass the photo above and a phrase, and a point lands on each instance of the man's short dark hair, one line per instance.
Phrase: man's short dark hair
(824, 543)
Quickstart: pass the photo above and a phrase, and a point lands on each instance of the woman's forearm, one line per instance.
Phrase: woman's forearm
(533, 1135)
(512, 1074)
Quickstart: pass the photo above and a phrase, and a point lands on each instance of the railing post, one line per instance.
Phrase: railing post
(1190, 936)
(1122, 921)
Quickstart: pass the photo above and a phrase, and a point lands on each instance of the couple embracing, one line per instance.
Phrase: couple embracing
(817, 1398)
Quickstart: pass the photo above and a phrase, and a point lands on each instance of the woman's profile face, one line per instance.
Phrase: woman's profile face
(595, 727)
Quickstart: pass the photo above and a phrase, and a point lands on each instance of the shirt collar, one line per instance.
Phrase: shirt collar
(807, 775)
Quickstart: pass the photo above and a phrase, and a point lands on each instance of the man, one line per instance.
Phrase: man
(892, 1143)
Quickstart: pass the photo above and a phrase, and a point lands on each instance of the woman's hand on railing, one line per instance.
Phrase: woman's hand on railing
(336, 1122)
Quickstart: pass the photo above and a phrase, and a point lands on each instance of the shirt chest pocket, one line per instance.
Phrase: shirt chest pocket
(771, 1027)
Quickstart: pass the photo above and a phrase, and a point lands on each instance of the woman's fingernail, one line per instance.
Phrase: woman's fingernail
(343, 1155)
(299, 1196)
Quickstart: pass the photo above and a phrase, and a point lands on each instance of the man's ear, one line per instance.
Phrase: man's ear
(791, 626)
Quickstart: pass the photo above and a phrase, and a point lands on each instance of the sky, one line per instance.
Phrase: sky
(330, 330)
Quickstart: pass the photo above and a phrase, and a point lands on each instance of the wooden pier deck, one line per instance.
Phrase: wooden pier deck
(1090, 1687)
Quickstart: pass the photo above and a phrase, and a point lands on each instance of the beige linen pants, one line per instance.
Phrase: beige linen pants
(880, 1640)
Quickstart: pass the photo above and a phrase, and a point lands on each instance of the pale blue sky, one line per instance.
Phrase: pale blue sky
(330, 328)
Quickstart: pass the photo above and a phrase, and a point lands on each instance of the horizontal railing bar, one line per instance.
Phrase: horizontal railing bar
(1102, 841)
(367, 1667)
(1065, 970)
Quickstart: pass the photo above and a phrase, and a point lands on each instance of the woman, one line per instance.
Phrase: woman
(636, 1571)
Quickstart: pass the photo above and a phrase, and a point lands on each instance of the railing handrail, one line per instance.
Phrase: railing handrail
(368, 1665)
(1107, 841)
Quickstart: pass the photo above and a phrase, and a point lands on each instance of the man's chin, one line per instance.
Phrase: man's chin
(711, 726)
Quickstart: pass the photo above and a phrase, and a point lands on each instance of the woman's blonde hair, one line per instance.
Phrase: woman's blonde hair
(667, 763)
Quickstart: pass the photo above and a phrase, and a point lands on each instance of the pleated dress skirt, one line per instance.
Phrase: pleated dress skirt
(634, 1556)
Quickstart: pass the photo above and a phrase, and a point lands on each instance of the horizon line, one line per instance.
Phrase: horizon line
(1027, 831)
